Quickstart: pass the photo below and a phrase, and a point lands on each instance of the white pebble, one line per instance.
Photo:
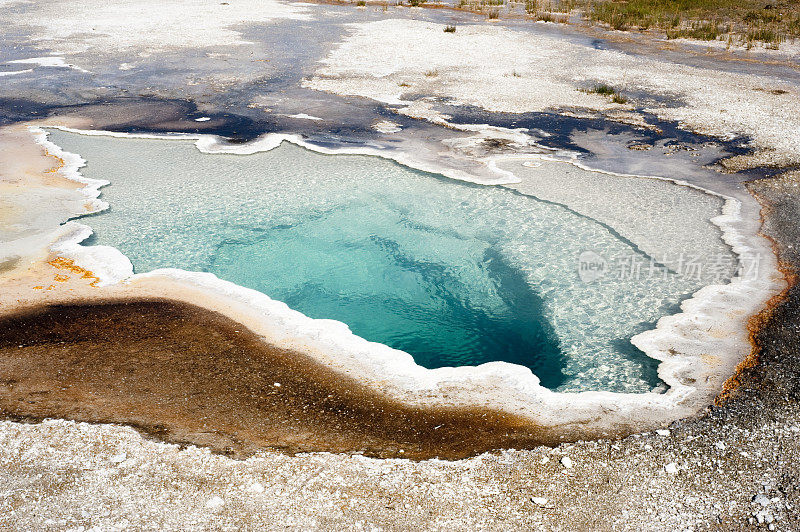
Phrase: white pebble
(541, 501)
(118, 458)
(671, 468)
(215, 502)
(256, 487)
(762, 499)
(662, 432)
(566, 462)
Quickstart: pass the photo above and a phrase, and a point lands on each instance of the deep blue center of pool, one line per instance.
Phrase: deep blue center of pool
(386, 294)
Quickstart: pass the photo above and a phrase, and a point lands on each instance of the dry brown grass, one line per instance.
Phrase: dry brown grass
(742, 21)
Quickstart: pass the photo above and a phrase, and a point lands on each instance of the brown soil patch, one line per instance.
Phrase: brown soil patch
(190, 376)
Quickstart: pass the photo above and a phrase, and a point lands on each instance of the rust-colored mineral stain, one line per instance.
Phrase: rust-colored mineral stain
(69, 265)
(59, 163)
(190, 376)
(757, 322)
(754, 327)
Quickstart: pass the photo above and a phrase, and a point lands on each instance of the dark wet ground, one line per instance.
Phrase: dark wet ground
(190, 376)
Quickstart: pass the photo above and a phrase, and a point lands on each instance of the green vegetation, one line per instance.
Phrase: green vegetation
(550, 12)
(490, 7)
(449, 29)
(744, 20)
(703, 31)
(737, 22)
(607, 90)
(603, 89)
(618, 98)
(734, 21)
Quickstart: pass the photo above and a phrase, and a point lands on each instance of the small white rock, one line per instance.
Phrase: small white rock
(256, 487)
(566, 462)
(662, 432)
(118, 458)
(671, 468)
(215, 502)
(761, 499)
(276, 384)
(720, 445)
(541, 501)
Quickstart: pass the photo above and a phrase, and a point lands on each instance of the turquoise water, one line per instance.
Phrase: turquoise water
(452, 273)
(447, 298)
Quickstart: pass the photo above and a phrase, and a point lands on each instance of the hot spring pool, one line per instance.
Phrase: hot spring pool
(452, 273)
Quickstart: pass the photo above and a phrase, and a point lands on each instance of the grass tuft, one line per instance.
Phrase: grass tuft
(618, 98)
(449, 29)
(546, 16)
(602, 89)
(606, 90)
